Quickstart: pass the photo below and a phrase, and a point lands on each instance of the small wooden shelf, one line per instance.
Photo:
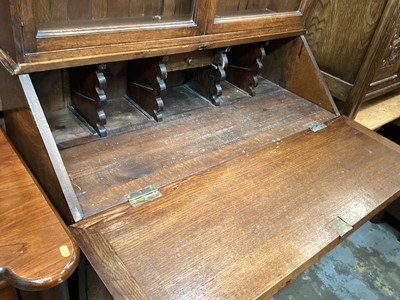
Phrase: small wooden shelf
(376, 113)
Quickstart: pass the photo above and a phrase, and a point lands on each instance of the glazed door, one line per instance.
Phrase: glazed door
(64, 24)
(235, 15)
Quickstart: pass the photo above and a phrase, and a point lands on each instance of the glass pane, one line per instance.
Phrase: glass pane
(54, 13)
(247, 7)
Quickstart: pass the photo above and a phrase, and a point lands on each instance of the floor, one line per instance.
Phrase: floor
(364, 266)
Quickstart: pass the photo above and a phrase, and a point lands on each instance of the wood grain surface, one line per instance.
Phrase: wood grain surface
(69, 33)
(291, 65)
(380, 111)
(339, 48)
(246, 227)
(36, 250)
(161, 153)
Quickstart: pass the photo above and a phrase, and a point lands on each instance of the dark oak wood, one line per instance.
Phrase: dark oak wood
(192, 143)
(207, 80)
(28, 126)
(116, 37)
(239, 177)
(245, 63)
(88, 96)
(291, 64)
(223, 233)
(32, 257)
(359, 61)
(7, 292)
(146, 85)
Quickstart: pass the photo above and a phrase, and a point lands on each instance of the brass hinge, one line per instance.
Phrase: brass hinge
(316, 126)
(339, 226)
(142, 196)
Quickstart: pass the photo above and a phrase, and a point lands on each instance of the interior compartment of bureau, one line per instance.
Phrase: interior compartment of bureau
(205, 118)
(207, 174)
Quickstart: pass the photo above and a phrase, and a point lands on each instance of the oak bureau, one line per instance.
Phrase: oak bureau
(192, 147)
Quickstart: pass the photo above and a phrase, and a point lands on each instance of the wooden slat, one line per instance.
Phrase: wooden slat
(165, 152)
(338, 87)
(243, 229)
(376, 113)
(37, 251)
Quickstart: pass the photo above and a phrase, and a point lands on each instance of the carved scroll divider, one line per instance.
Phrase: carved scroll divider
(207, 80)
(245, 62)
(87, 95)
(146, 85)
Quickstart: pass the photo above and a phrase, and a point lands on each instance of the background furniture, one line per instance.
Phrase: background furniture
(36, 250)
(356, 45)
(185, 168)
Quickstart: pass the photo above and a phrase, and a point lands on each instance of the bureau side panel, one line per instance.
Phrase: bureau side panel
(340, 33)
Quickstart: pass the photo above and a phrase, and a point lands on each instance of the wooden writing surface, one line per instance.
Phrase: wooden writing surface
(244, 228)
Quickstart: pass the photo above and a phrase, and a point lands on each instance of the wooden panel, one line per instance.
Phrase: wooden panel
(59, 11)
(79, 10)
(372, 61)
(118, 8)
(28, 126)
(241, 6)
(290, 64)
(391, 55)
(246, 227)
(42, 11)
(32, 257)
(99, 9)
(6, 32)
(49, 87)
(339, 48)
(8, 293)
(338, 87)
(194, 142)
(284, 5)
(11, 94)
(380, 111)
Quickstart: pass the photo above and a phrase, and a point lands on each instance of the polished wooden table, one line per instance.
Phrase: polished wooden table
(36, 250)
